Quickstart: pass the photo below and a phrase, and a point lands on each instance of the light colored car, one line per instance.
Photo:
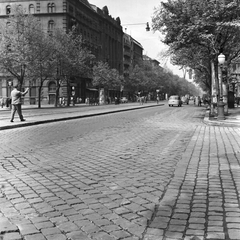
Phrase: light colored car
(185, 100)
(124, 100)
(174, 100)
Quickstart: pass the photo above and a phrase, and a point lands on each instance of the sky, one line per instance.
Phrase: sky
(139, 12)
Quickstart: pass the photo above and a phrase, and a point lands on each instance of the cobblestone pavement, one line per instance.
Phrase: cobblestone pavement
(151, 174)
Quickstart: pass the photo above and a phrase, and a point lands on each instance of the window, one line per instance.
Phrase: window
(52, 87)
(8, 9)
(50, 25)
(31, 9)
(33, 91)
(51, 7)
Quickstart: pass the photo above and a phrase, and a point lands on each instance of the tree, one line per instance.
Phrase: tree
(209, 26)
(197, 60)
(42, 59)
(16, 36)
(72, 57)
(105, 77)
(148, 77)
(144, 76)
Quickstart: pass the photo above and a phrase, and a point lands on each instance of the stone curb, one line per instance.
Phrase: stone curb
(26, 124)
(221, 123)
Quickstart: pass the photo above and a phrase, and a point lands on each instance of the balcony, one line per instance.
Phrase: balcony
(126, 53)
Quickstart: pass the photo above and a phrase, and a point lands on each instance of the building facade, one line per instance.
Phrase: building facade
(102, 34)
(132, 54)
(137, 52)
(127, 54)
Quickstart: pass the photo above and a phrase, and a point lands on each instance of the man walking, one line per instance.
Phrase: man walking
(16, 102)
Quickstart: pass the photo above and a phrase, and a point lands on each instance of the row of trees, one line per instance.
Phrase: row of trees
(197, 32)
(32, 55)
(149, 78)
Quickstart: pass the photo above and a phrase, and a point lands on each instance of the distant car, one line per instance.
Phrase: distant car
(185, 100)
(124, 100)
(174, 100)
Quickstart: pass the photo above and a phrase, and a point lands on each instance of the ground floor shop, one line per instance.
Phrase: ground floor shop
(78, 90)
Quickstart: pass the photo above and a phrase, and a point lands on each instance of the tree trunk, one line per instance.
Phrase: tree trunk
(57, 94)
(213, 88)
(68, 94)
(39, 96)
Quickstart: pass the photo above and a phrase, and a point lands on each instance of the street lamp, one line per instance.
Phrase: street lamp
(10, 83)
(147, 25)
(221, 60)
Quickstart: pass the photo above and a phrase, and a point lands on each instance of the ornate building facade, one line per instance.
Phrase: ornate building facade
(102, 33)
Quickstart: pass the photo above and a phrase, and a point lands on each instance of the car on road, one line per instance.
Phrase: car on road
(124, 100)
(185, 100)
(174, 100)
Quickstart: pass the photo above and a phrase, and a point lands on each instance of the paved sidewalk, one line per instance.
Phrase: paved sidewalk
(232, 118)
(47, 114)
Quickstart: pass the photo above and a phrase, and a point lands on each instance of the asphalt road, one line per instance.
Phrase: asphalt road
(105, 177)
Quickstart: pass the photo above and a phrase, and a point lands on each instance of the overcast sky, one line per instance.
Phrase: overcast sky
(138, 12)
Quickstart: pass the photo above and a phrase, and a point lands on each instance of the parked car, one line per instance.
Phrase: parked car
(124, 100)
(174, 100)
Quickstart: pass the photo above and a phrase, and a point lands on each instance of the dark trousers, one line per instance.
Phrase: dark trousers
(18, 108)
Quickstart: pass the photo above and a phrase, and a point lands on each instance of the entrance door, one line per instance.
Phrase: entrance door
(51, 98)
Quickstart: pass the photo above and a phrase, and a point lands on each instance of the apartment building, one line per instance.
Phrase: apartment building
(102, 33)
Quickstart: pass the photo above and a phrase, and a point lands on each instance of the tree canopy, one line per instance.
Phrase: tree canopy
(198, 31)
(17, 34)
(148, 77)
(105, 77)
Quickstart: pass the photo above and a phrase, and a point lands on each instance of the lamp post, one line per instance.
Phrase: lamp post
(221, 60)
(10, 85)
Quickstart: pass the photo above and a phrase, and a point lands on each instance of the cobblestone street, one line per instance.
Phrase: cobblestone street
(149, 174)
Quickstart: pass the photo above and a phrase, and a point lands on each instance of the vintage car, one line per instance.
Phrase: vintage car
(174, 100)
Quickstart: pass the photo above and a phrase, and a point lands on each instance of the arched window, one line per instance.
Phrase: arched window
(31, 9)
(50, 26)
(8, 9)
(52, 87)
(51, 7)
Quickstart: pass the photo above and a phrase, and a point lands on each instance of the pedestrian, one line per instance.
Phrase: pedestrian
(60, 101)
(16, 102)
(199, 101)
(63, 101)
